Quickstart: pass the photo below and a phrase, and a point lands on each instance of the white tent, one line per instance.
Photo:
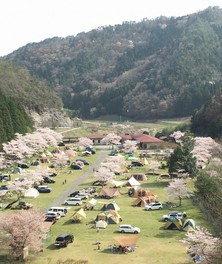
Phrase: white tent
(101, 224)
(32, 192)
(118, 183)
(132, 182)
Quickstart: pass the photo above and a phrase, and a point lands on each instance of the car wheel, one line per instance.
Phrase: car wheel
(77, 204)
(165, 219)
(122, 231)
(66, 244)
(160, 208)
(66, 203)
(149, 209)
(135, 232)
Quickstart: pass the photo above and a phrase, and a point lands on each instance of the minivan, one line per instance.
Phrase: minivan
(61, 210)
(73, 201)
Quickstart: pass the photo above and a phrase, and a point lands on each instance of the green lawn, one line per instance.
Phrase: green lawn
(155, 245)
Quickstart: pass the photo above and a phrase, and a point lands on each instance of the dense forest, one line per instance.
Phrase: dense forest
(165, 67)
(13, 119)
(32, 93)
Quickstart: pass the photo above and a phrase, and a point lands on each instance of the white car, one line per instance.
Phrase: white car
(82, 196)
(154, 206)
(56, 215)
(129, 229)
(73, 201)
(175, 214)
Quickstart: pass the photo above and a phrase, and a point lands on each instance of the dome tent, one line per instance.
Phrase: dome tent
(174, 224)
(189, 225)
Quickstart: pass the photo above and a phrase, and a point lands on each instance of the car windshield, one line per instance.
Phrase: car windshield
(60, 238)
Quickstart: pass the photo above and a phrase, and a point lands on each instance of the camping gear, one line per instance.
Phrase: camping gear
(132, 182)
(110, 206)
(101, 224)
(109, 193)
(139, 176)
(78, 216)
(189, 225)
(173, 224)
(31, 192)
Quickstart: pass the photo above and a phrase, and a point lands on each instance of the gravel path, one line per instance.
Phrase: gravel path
(80, 180)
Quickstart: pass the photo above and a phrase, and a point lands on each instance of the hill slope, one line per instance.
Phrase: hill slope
(32, 93)
(159, 68)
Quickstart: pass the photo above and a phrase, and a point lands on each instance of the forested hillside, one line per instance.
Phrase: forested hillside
(13, 119)
(29, 91)
(208, 121)
(165, 67)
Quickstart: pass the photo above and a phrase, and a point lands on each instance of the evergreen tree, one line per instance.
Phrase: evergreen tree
(182, 157)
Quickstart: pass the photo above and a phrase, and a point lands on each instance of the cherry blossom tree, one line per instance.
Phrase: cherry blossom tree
(22, 229)
(130, 146)
(154, 165)
(85, 142)
(104, 174)
(177, 135)
(111, 139)
(178, 189)
(20, 186)
(202, 243)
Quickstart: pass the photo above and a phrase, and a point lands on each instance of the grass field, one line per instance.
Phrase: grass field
(155, 244)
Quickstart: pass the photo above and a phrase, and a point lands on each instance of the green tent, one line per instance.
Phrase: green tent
(189, 225)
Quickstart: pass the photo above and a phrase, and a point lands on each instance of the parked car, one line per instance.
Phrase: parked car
(99, 183)
(177, 214)
(63, 240)
(24, 205)
(154, 206)
(51, 218)
(75, 167)
(23, 165)
(83, 161)
(5, 177)
(91, 150)
(3, 187)
(43, 189)
(136, 164)
(82, 196)
(73, 201)
(53, 214)
(129, 229)
(48, 180)
(58, 209)
(74, 194)
(61, 144)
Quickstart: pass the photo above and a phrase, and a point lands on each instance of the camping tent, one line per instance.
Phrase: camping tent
(101, 224)
(17, 170)
(143, 201)
(118, 183)
(111, 217)
(174, 224)
(139, 176)
(189, 225)
(109, 192)
(110, 206)
(132, 182)
(145, 193)
(78, 216)
(31, 192)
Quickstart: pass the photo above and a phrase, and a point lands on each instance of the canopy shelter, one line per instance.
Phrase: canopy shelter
(101, 224)
(90, 204)
(78, 216)
(127, 241)
(132, 182)
(118, 183)
(109, 193)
